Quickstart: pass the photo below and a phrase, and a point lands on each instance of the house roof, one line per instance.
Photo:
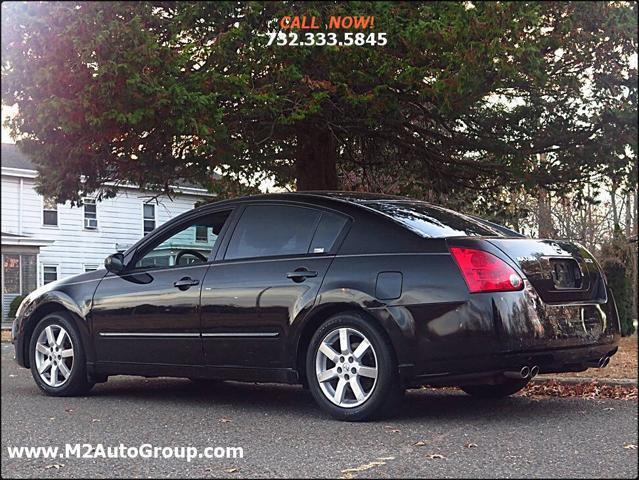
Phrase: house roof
(14, 158)
(11, 239)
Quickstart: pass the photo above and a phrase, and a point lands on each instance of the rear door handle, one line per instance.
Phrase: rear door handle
(301, 274)
(185, 283)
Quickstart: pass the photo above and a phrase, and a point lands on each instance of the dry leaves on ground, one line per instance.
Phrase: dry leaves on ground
(583, 390)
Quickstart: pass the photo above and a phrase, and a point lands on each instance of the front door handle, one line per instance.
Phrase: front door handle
(301, 274)
(185, 283)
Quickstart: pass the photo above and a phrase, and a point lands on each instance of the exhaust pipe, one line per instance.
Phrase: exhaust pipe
(604, 361)
(523, 373)
(534, 371)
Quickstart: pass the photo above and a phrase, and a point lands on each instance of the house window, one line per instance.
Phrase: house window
(149, 218)
(49, 212)
(18, 273)
(90, 214)
(11, 274)
(49, 273)
(201, 233)
(90, 268)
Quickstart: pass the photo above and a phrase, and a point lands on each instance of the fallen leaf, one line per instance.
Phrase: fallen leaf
(225, 420)
(471, 445)
(435, 456)
(365, 466)
(630, 446)
(57, 466)
(608, 409)
(391, 429)
(68, 410)
(421, 443)
(232, 470)
(95, 420)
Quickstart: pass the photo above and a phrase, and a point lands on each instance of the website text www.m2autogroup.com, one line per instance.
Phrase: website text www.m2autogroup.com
(143, 451)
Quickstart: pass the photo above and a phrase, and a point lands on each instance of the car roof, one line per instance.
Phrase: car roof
(313, 196)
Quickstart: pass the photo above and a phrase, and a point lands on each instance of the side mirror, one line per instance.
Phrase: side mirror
(114, 263)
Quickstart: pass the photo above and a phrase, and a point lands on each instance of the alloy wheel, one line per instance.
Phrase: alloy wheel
(54, 355)
(346, 367)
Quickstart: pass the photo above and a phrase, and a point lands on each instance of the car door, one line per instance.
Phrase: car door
(269, 272)
(149, 313)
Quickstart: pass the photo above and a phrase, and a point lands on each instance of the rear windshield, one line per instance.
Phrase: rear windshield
(433, 222)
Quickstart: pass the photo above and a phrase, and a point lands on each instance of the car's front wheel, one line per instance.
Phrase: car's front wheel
(57, 357)
(351, 370)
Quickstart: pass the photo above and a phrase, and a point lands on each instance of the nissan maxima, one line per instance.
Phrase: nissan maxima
(355, 296)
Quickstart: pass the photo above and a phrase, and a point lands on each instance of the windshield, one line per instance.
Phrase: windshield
(433, 222)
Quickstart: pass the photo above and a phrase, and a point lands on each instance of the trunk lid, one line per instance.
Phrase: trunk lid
(561, 272)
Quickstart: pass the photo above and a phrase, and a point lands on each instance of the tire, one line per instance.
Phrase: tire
(501, 390)
(378, 396)
(75, 381)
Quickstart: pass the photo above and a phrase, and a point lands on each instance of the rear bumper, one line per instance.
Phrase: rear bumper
(491, 368)
(487, 334)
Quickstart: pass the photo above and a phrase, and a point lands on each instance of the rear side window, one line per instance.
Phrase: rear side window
(327, 232)
(431, 221)
(270, 230)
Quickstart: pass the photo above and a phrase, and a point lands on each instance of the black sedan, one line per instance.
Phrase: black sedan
(355, 296)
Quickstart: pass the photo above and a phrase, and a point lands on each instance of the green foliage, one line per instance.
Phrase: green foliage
(616, 259)
(456, 106)
(619, 284)
(14, 305)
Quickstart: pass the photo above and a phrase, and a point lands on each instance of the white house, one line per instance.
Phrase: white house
(42, 241)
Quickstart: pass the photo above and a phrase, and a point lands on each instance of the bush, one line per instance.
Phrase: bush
(14, 305)
(619, 283)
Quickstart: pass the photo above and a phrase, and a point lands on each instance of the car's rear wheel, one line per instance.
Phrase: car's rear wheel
(351, 369)
(509, 387)
(57, 357)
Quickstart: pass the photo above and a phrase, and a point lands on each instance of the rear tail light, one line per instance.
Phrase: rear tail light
(485, 272)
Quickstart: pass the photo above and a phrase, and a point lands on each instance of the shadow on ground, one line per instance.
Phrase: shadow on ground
(271, 398)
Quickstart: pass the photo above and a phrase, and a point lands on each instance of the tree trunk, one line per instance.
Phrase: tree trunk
(316, 160)
(544, 214)
(631, 234)
(615, 211)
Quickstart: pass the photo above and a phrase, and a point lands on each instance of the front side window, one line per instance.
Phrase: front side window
(179, 247)
(49, 273)
(90, 214)
(271, 230)
(49, 212)
(149, 218)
